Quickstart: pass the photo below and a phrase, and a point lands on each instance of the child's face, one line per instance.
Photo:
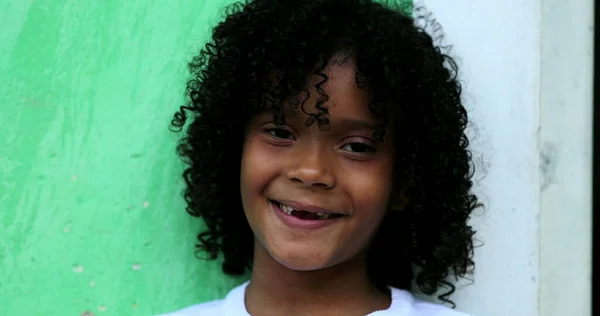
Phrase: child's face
(342, 170)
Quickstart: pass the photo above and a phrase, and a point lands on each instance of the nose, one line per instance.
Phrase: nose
(313, 168)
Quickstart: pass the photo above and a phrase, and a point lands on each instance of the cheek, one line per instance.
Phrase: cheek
(369, 183)
(257, 168)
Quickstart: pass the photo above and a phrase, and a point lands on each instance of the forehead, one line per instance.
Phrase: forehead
(337, 87)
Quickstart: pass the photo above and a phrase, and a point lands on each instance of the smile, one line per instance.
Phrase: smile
(304, 216)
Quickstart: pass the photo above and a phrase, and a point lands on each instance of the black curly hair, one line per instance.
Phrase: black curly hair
(262, 53)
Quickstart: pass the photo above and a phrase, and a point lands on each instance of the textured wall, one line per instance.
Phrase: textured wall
(91, 216)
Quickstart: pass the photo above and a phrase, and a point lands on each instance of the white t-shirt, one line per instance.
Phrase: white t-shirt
(403, 304)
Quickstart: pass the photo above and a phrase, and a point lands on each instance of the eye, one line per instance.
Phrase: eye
(280, 133)
(358, 148)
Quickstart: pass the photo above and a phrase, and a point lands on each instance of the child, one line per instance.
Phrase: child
(327, 155)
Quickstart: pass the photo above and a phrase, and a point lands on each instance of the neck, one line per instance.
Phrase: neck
(276, 290)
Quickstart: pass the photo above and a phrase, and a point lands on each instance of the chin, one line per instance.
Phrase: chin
(303, 260)
(305, 266)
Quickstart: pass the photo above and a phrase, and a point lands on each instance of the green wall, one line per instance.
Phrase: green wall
(91, 217)
(91, 214)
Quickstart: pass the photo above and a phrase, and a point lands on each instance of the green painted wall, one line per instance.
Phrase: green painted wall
(91, 217)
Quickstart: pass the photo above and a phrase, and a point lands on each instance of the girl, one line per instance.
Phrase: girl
(327, 155)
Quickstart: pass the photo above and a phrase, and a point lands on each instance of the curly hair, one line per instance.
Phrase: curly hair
(261, 54)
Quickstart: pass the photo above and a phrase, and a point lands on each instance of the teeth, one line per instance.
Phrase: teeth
(288, 210)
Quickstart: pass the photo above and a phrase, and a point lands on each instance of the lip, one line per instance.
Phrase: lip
(299, 223)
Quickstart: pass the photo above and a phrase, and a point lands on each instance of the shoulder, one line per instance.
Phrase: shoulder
(232, 304)
(404, 303)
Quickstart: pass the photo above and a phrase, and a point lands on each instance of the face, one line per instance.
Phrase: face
(314, 198)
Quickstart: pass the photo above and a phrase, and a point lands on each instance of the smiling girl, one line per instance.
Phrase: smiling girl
(327, 155)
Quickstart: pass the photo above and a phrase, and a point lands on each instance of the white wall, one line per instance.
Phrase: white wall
(566, 151)
(534, 136)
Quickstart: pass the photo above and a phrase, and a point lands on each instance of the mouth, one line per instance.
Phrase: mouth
(306, 212)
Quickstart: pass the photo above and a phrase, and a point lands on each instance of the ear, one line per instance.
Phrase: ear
(398, 200)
